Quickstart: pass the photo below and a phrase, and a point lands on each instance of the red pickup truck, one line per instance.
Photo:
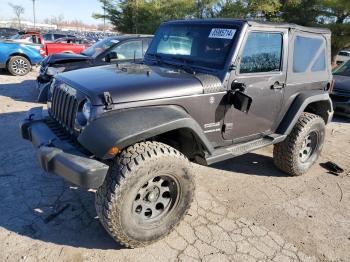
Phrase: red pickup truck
(67, 45)
(62, 45)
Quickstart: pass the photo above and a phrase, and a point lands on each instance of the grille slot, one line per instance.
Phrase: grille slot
(340, 98)
(64, 107)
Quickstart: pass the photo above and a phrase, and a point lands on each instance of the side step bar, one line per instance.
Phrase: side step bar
(242, 148)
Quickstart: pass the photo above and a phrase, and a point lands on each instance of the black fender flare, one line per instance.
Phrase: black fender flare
(125, 127)
(300, 104)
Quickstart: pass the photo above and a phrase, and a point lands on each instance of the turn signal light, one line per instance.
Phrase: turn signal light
(113, 151)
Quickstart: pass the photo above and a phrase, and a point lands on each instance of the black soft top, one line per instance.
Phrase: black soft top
(129, 36)
(255, 23)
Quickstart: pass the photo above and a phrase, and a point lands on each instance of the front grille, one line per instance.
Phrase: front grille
(339, 98)
(342, 91)
(64, 135)
(64, 106)
(59, 131)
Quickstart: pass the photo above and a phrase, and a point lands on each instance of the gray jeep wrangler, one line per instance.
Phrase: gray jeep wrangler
(207, 91)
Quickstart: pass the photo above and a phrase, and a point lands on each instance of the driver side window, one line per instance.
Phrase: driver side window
(129, 50)
(262, 53)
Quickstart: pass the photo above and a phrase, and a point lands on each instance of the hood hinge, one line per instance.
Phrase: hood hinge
(107, 100)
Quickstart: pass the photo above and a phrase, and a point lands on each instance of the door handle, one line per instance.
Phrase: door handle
(277, 85)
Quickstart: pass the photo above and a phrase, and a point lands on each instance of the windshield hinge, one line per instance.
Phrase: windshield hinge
(232, 67)
(107, 100)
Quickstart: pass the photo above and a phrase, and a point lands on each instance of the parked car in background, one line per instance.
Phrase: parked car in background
(115, 49)
(6, 32)
(75, 40)
(341, 91)
(52, 37)
(18, 58)
(28, 37)
(342, 57)
(67, 45)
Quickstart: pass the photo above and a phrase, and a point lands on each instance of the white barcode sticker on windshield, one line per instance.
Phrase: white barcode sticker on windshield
(222, 33)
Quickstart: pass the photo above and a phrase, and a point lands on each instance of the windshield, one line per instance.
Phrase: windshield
(99, 47)
(343, 70)
(16, 36)
(26, 38)
(202, 44)
(344, 53)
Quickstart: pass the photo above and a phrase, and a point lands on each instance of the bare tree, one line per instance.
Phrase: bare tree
(18, 10)
(34, 18)
(57, 20)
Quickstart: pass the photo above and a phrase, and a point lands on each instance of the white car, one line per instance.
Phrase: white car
(343, 56)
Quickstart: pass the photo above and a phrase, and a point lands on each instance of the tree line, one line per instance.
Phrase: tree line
(144, 16)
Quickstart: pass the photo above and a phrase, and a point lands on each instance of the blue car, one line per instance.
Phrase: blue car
(18, 57)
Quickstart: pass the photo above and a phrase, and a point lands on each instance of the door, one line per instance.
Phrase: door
(261, 68)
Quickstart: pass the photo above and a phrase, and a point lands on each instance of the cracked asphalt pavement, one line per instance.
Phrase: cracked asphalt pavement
(244, 209)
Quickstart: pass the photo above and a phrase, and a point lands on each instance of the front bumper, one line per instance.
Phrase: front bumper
(59, 157)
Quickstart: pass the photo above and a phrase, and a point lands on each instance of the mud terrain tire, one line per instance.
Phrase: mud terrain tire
(142, 175)
(302, 147)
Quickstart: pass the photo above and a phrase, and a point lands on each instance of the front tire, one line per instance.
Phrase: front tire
(18, 66)
(302, 147)
(147, 192)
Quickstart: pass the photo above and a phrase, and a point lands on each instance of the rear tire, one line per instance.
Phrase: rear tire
(147, 192)
(18, 66)
(302, 147)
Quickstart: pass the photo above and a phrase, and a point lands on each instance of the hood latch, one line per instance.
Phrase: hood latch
(107, 100)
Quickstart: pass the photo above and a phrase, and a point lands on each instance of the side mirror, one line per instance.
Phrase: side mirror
(110, 57)
(240, 100)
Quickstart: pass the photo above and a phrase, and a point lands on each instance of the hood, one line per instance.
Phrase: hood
(16, 42)
(65, 58)
(341, 83)
(132, 82)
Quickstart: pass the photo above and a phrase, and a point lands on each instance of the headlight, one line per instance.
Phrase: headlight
(51, 87)
(52, 71)
(87, 109)
(84, 113)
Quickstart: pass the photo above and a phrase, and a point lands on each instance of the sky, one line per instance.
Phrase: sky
(70, 9)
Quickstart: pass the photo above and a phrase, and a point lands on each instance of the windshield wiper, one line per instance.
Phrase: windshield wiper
(159, 61)
(186, 65)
